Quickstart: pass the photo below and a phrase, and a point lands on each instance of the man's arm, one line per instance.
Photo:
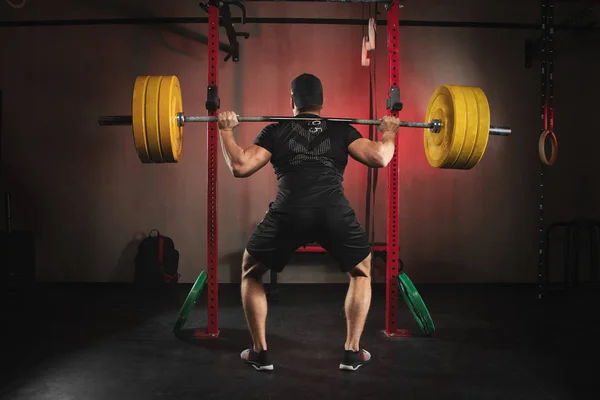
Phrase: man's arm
(241, 162)
(377, 154)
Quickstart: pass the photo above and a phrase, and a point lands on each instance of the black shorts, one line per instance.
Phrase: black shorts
(336, 229)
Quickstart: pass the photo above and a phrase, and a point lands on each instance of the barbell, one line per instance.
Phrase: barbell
(455, 137)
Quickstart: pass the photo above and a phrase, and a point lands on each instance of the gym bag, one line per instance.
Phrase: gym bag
(156, 262)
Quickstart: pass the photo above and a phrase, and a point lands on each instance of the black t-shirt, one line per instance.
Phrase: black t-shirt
(309, 159)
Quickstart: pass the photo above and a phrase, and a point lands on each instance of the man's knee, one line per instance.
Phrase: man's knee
(363, 269)
(252, 268)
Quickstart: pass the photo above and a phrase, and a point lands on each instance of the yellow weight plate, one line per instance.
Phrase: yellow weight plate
(171, 134)
(483, 130)
(472, 132)
(138, 118)
(447, 104)
(152, 118)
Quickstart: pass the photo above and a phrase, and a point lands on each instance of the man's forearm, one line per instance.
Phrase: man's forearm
(387, 146)
(233, 153)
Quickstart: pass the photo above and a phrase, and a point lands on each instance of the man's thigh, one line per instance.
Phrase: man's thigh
(344, 238)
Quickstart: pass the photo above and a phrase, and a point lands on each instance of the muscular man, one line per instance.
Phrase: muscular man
(309, 159)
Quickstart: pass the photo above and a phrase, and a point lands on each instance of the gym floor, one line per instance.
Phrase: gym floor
(103, 341)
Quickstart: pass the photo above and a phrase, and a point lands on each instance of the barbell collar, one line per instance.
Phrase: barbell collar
(434, 126)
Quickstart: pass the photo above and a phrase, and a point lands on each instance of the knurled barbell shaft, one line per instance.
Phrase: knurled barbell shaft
(127, 120)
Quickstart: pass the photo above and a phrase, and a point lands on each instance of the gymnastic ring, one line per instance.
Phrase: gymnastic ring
(542, 148)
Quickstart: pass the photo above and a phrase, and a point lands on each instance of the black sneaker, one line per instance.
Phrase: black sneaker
(260, 361)
(353, 360)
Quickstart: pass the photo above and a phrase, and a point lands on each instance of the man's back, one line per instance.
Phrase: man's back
(309, 159)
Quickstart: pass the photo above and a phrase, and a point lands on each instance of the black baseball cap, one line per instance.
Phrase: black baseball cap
(307, 91)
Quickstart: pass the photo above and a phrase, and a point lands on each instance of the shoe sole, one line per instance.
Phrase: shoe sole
(263, 367)
(259, 367)
(345, 367)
